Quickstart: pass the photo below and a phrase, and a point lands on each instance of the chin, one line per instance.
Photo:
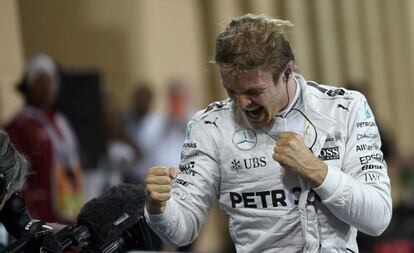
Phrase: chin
(255, 124)
(259, 124)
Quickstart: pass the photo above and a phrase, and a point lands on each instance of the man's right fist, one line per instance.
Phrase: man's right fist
(158, 185)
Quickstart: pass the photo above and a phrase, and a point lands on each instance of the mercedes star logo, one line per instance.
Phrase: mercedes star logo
(245, 139)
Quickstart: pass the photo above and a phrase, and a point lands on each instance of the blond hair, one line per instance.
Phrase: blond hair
(254, 41)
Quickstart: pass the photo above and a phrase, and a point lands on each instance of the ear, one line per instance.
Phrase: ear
(288, 71)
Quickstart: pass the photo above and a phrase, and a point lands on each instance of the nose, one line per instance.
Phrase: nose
(243, 100)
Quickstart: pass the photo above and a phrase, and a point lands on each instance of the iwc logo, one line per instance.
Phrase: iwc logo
(245, 139)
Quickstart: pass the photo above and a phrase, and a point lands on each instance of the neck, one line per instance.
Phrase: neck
(290, 91)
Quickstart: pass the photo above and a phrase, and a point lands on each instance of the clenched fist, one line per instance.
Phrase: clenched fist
(158, 185)
(292, 153)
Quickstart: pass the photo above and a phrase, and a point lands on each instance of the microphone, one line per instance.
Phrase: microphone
(112, 222)
(15, 216)
(18, 222)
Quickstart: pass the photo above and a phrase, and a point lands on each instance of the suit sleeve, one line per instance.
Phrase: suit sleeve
(193, 191)
(359, 193)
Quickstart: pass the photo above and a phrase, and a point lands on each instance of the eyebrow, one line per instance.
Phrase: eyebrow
(250, 90)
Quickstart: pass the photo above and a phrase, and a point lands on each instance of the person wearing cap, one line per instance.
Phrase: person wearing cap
(55, 189)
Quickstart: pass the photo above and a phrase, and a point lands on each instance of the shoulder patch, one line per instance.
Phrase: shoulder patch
(336, 92)
(331, 92)
(205, 117)
(221, 105)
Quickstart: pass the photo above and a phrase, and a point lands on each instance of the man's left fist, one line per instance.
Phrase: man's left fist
(292, 153)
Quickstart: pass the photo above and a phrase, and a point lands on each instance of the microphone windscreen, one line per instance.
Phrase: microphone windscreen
(110, 214)
(15, 216)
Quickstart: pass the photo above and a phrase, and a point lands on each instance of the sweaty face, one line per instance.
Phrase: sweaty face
(256, 93)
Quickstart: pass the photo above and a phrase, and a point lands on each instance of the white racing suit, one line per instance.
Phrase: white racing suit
(271, 209)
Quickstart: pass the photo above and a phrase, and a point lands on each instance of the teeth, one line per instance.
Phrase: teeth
(254, 113)
(250, 110)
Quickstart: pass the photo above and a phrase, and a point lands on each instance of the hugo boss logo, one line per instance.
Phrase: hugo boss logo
(331, 153)
(245, 139)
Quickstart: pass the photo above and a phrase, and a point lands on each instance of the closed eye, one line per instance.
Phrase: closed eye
(251, 92)
(255, 92)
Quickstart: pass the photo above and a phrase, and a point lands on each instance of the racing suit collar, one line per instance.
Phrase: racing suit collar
(322, 122)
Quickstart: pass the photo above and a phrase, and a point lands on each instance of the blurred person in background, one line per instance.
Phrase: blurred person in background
(13, 172)
(159, 135)
(296, 166)
(54, 190)
(140, 108)
(122, 153)
(135, 122)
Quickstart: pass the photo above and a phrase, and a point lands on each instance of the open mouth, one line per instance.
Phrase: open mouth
(254, 114)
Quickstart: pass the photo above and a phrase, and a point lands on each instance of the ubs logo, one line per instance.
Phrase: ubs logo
(235, 165)
(245, 139)
(249, 163)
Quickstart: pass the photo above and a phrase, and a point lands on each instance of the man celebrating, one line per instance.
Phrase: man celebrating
(296, 166)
